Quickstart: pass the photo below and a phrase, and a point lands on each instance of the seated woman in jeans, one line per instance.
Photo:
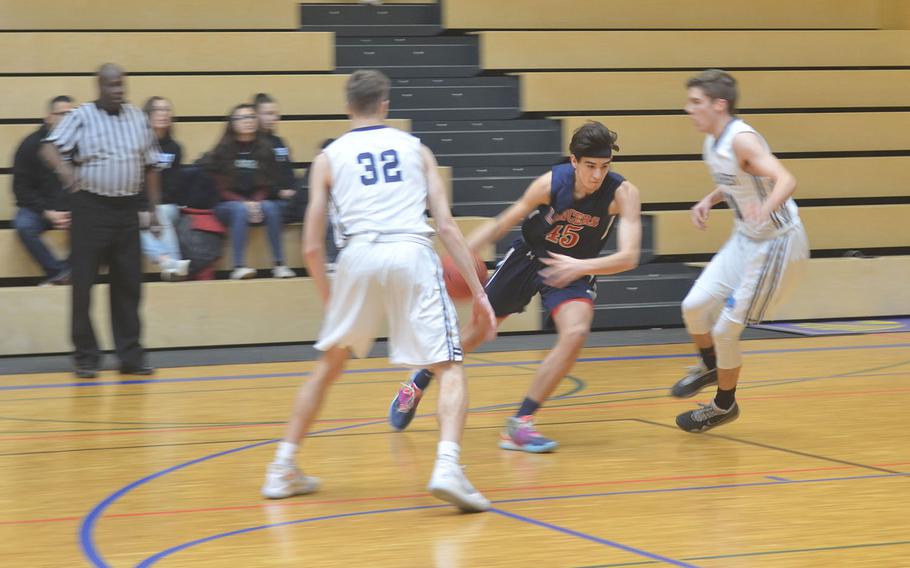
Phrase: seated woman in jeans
(164, 250)
(244, 169)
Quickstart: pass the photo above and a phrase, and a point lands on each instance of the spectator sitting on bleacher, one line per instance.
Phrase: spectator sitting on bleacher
(269, 117)
(40, 198)
(164, 250)
(244, 169)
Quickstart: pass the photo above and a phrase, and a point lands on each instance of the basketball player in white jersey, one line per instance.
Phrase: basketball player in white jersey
(380, 182)
(764, 257)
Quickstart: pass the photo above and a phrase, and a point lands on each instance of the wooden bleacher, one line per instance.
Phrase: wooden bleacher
(166, 52)
(302, 136)
(8, 200)
(836, 227)
(790, 132)
(660, 14)
(529, 50)
(247, 312)
(850, 287)
(818, 178)
(665, 90)
(645, 61)
(138, 15)
(191, 95)
(16, 263)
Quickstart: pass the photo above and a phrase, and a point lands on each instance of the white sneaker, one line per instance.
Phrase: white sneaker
(450, 484)
(182, 268)
(243, 273)
(286, 480)
(283, 271)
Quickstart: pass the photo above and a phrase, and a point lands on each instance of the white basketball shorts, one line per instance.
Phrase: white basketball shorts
(402, 282)
(750, 278)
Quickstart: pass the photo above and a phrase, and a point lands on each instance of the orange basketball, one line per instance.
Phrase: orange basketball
(458, 289)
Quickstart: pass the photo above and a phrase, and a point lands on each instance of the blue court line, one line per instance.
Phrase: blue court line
(765, 553)
(776, 478)
(86, 384)
(158, 556)
(165, 553)
(604, 541)
(89, 522)
(87, 527)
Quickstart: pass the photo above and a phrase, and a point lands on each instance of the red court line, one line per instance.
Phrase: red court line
(286, 504)
(546, 410)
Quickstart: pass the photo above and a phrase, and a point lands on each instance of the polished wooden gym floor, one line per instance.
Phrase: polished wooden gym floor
(167, 471)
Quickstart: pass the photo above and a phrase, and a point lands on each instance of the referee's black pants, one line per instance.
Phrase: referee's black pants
(105, 230)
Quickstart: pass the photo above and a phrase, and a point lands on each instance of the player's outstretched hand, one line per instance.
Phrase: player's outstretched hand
(699, 213)
(561, 270)
(482, 316)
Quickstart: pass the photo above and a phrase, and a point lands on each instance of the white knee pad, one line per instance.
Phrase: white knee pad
(726, 335)
(700, 310)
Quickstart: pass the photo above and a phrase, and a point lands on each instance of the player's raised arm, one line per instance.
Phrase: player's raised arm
(314, 224)
(538, 193)
(454, 242)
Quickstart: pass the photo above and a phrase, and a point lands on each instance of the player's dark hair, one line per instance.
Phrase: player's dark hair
(366, 89)
(717, 84)
(593, 140)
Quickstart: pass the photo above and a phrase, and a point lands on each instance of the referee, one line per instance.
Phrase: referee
(110, 151)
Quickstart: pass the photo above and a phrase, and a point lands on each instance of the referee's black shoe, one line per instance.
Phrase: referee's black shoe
(86, 372)
(705, 417)
(697, 379)
(142, 369)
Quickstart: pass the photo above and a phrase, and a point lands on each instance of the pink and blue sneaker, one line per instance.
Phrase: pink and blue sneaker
(521, 435)
(404, 405)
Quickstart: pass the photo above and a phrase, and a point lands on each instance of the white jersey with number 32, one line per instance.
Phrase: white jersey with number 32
(379, 184)
(743, 191)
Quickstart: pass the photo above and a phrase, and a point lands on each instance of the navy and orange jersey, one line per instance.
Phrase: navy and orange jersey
(576, 228)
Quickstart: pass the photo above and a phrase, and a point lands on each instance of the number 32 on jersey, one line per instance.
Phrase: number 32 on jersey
(384, 166)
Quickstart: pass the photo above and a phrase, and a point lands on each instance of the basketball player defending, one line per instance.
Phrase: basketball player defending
(380, 182)
(765, 255)
(568, 214)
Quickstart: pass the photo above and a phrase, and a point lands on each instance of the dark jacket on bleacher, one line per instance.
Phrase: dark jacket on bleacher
(36, 186)
(284, 164)
(248, 173)
(169, 163)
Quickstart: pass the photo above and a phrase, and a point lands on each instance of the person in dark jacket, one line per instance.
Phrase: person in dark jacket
(40, 198)
(244, 169)
(269, 116)
(164, 249)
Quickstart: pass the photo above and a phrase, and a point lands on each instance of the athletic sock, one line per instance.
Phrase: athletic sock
(448, 451)
(708, 357)
(528, 407)
(285, 453)
(725, 398)
(422, 379)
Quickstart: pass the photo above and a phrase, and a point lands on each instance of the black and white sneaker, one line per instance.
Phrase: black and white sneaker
(706, 417)
(696, 379)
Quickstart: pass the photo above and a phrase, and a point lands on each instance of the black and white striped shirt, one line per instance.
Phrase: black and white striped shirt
(109, 151)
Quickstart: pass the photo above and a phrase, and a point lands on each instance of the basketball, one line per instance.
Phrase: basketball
(456, 286)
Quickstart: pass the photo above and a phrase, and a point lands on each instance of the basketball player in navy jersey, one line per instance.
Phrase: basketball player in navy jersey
(753, 271)
(568, 214)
